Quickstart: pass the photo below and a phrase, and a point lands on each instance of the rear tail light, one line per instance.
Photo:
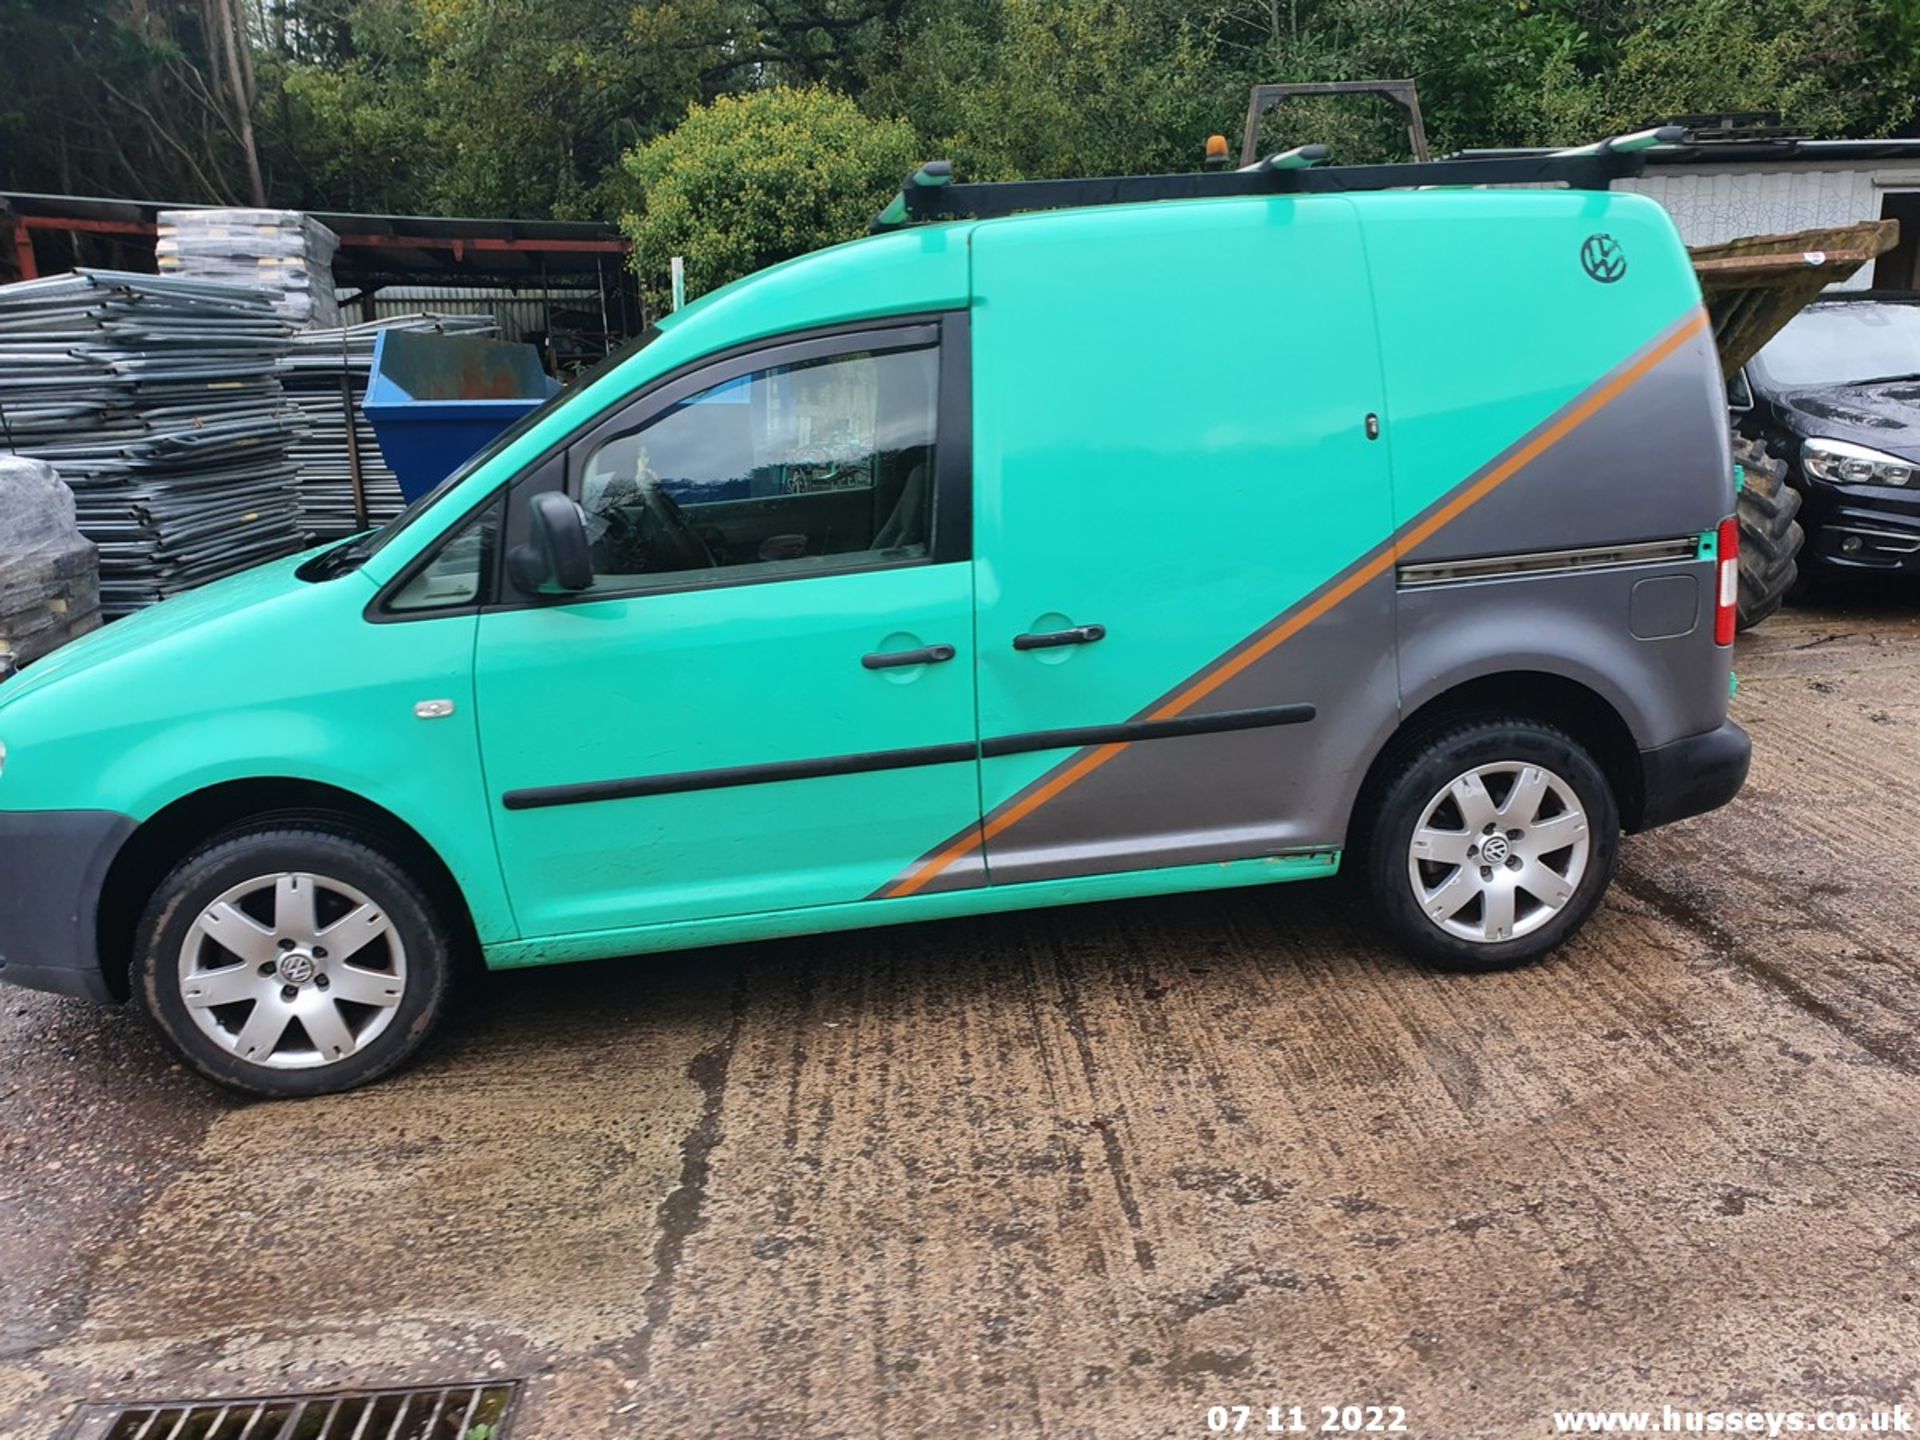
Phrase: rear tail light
(1726, 609)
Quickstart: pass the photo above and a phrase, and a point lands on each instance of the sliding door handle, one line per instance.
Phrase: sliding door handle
(925, 655)
(1049, 639)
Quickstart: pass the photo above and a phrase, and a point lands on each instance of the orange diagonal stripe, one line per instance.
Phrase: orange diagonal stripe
(1368, 569)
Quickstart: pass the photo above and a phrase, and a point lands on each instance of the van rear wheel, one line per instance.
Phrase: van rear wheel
(1493, 842)
(292, 962)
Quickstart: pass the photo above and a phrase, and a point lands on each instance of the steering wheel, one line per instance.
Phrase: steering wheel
(673, 543)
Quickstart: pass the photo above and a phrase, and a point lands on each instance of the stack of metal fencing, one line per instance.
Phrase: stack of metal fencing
(159, 402)
(282, 251)
(326, 372)
(49, 574)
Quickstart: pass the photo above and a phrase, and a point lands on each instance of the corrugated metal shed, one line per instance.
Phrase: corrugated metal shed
(520, 314)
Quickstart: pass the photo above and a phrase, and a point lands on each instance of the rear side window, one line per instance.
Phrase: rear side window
(821, 465)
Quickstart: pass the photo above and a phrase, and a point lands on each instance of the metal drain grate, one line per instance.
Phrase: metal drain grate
(453, 1412)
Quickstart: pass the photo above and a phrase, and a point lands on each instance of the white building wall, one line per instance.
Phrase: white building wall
(1711, 203)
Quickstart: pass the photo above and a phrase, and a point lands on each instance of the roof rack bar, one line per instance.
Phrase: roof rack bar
(937, 197)
(1632, 144)
(1298, 158)
(929, 176)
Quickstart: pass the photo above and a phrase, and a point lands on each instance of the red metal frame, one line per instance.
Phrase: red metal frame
(23, 227)
(22, 247)
(533, 247)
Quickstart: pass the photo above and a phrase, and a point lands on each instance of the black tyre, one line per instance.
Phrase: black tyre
(292, 961)
(1491, 841)
(1770, 536)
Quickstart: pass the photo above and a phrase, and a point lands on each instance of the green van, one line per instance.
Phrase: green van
(1210, 532)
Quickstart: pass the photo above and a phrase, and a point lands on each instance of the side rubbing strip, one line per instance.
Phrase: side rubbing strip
(1216, 723)
(1551, 562)
(1381, 560)
(1132, 731)
(589, 791)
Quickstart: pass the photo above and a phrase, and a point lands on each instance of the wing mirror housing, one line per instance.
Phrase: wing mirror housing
(1739, 393)
(558, 558)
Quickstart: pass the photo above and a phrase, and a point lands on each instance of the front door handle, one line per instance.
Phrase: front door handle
(892, 659)
(1049, 639)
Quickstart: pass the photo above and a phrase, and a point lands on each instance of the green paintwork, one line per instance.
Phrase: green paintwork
(1472, 366)
(866, 914)
(1112, 478)
(1097, 463)
(710, 679)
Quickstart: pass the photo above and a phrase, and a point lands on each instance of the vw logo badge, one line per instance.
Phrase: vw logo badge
(1603, 259)
(297, 968)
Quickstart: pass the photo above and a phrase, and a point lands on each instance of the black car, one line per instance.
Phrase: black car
(1836, 395)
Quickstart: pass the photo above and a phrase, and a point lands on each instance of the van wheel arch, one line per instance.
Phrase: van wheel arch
(1582, 713)
(236, 806)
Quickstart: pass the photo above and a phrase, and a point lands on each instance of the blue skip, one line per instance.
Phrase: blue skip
(434, 401)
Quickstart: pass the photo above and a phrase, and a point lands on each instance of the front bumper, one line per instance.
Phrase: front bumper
(52, 866)
(1869, 529)
(1692, 776)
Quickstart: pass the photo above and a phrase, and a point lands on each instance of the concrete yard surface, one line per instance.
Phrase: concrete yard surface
(1080, 1172)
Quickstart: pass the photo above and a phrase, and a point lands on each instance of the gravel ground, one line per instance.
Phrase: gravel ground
(1076, 1172)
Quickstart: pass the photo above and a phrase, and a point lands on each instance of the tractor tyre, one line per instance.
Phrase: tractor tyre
(1770, 537)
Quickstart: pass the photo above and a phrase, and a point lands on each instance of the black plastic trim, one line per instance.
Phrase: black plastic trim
(953, 443)
(53, 864)
(1054, 639)
(1590, 170)
(1692, 776)
(592, 790)
(899, 659)
(1214, 723)
(1218, 722)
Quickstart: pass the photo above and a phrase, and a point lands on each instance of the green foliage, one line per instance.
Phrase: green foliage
(1037, 89)
(525, 107)
(753, 179)
(1814, 61)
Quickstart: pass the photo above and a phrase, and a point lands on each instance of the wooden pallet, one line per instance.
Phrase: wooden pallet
(1756, 284)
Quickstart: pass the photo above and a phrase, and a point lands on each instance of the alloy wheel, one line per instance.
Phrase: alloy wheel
(292, 970)
(1498, 852)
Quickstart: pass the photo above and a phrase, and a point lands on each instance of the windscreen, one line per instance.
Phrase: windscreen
(1844, 345)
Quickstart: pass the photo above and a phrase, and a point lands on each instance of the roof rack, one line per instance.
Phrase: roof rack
(930, 194)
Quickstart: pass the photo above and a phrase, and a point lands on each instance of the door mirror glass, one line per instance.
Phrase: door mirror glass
(557, 559)
(1739, 393)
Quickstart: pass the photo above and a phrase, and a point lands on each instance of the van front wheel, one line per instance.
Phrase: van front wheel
(292, 962)
(1493, 841)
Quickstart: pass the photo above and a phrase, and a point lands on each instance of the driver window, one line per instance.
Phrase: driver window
(789, 471)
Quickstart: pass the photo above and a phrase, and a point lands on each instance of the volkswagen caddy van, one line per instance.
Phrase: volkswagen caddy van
(1041, 552)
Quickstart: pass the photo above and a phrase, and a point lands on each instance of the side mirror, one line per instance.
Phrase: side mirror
(1739, 393)
(559, 557)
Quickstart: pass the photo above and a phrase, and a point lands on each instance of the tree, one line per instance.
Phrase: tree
(150, 98)
(750, 180)
(1039, 89)
(525, 107)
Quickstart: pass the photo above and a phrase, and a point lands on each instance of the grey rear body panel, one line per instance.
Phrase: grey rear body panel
(1576, 627)
(1210, 798)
